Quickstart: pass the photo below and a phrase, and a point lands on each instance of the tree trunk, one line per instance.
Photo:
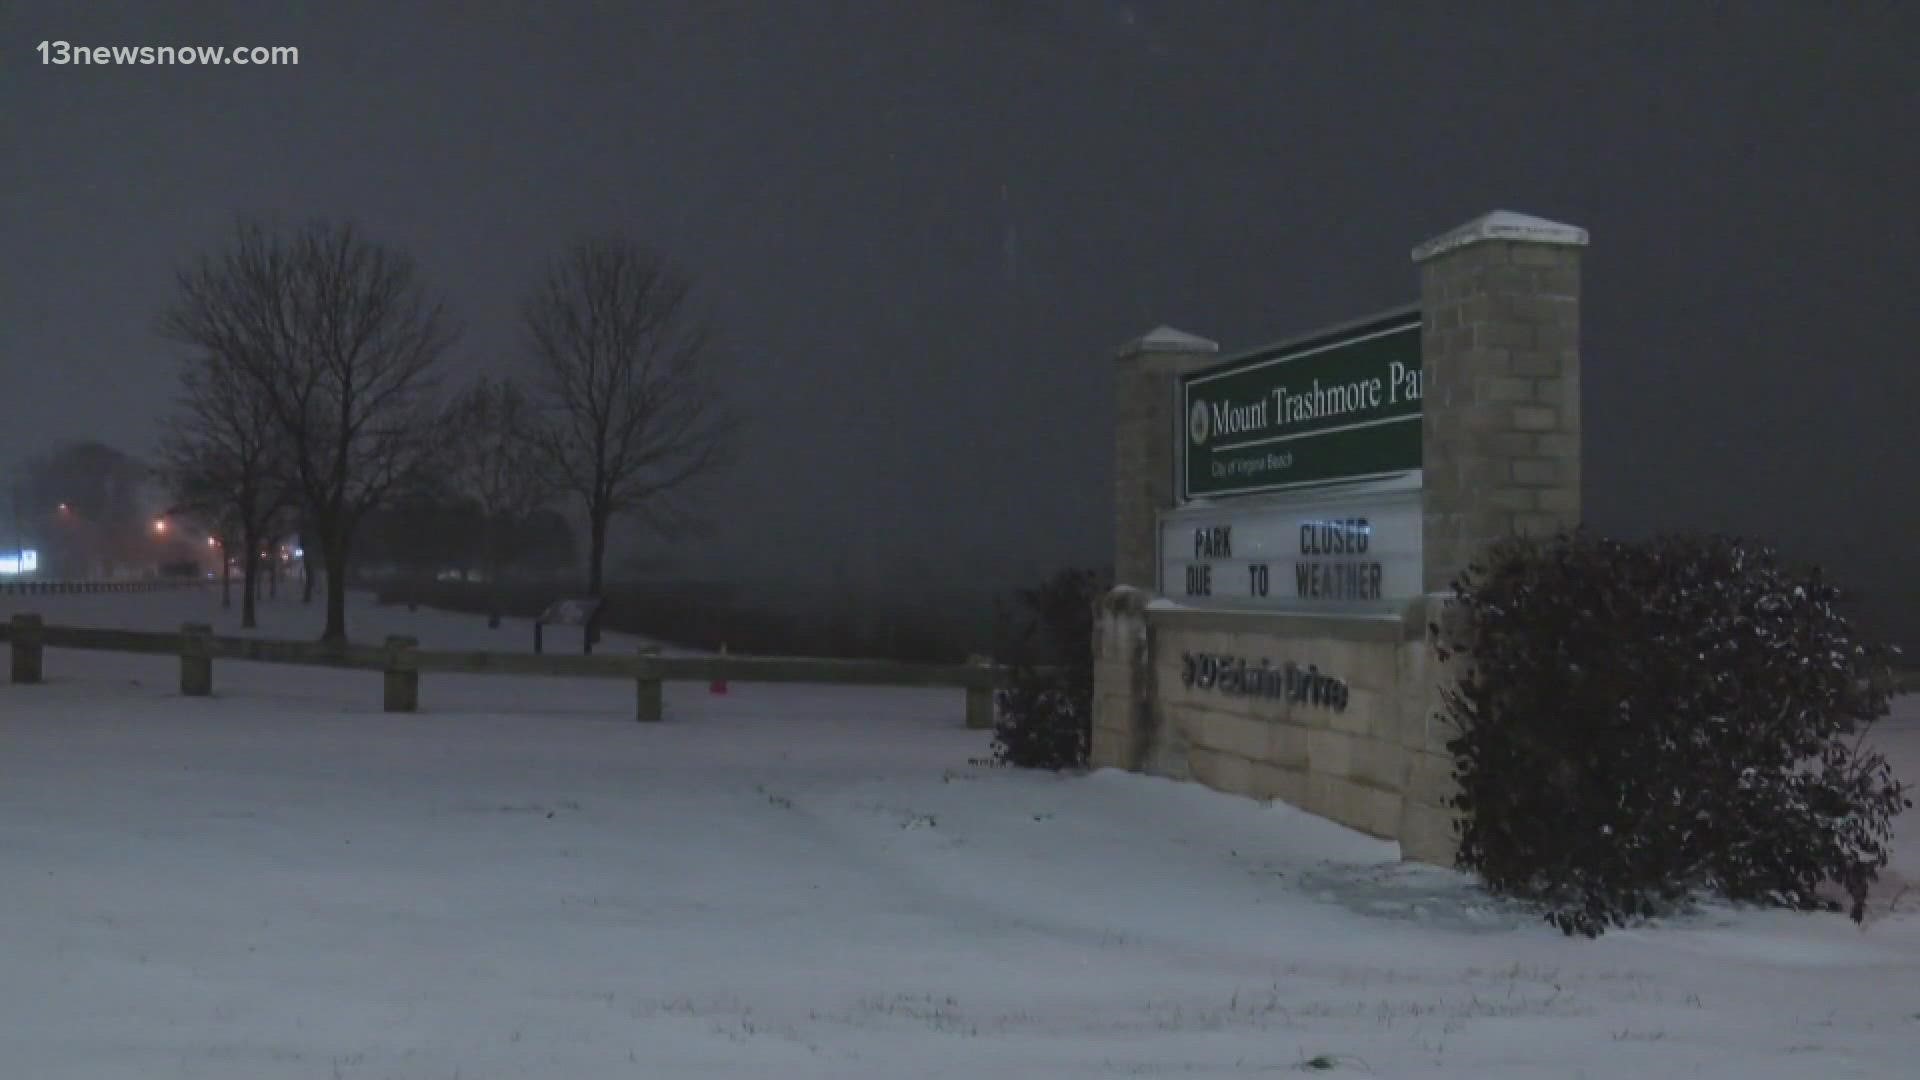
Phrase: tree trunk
(493, 598)
(226, 581)
(490, 566)
(597, 550)
(306, 572)
(250, 579)
(336, 559)
(273, 573)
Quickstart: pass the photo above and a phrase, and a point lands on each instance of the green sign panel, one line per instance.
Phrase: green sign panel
(1338, 407)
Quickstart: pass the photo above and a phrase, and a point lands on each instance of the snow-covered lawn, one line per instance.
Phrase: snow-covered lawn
(286, 617)
(519, 881)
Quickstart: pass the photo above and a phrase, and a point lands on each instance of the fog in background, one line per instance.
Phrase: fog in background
(925, 226)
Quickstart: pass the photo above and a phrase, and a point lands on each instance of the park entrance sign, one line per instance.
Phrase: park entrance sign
(1290, 521)
(1339, 406)
(1301, 474)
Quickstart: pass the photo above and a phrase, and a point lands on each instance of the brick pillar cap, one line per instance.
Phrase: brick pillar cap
(1165, 339)
(1502, 225)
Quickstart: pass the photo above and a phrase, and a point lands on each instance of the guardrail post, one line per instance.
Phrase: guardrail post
(980, 695)
(24, 633)
(196, 659)
(649, 705)
(402, 674)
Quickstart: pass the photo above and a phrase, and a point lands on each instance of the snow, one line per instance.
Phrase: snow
(1164, 338)
(286, 617)
(519, 881)
(1502, 225)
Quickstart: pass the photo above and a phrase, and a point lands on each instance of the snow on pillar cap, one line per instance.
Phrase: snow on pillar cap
(1502, 225)
(1165, 339)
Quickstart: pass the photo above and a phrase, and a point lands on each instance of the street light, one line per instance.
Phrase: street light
(160, 526)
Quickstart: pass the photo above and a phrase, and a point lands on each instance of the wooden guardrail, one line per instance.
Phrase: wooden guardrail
(49, 588)
(401, 661)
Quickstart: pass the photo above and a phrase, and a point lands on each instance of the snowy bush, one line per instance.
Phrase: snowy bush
(1641, 723)
(1045, 713)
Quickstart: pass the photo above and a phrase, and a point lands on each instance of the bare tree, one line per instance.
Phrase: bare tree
(340, 336)
(493, 462)
(226, 459)
(627, 366)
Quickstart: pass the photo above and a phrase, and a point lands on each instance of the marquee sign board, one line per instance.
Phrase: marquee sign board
(1338, 552)
(1335, 407)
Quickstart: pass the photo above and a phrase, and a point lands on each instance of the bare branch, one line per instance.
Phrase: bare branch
(626, 363)
(335, 339)
(494, 461)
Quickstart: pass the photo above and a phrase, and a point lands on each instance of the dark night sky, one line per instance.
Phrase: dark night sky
(924, 226)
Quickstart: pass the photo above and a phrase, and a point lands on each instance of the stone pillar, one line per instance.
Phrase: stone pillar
(649, 699)
(196, 660)
(402, 675)
(1122, 686)
(24, 633)
(1427, 818)
(980, 693)
(1144, 446)
(1500, 349)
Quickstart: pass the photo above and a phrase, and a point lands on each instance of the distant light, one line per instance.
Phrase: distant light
(299, 553)
(65, 509)
(213, 541)
(9, 565)
(29, 560)
(160, 525)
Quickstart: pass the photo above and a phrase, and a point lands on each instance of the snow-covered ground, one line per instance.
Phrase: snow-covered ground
(519, 881)
(286, 617)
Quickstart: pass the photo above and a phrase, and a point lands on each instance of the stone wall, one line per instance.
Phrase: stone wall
(1374, 765)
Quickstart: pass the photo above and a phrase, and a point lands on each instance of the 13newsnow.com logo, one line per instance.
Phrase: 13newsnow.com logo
(1197, 425)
